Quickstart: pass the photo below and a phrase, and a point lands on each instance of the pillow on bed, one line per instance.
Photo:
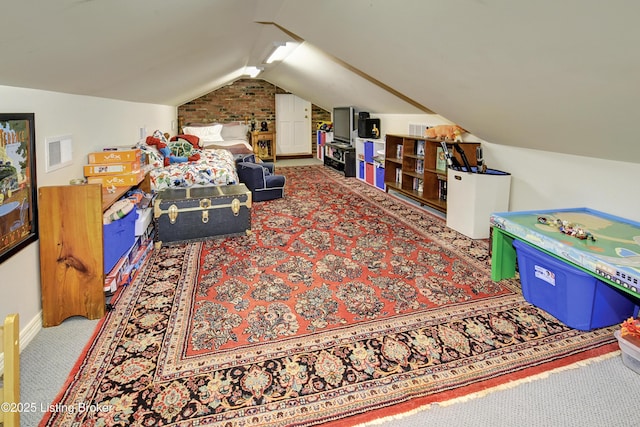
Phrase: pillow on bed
(234, 131)
(205, 133)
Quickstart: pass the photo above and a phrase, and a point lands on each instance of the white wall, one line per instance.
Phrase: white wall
(93, 124)
(546, 180)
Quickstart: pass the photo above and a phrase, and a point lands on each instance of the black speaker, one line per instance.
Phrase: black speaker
(363, 115)
(369, 128)
(350, 164)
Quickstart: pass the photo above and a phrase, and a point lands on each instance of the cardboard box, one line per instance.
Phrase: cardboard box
(111, 168)
(138, 262)
(118, 275)
(144, 220)
(110, 285)
(120, 180)
(115, 156)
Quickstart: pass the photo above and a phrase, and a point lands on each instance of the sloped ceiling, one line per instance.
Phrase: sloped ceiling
(547, 75)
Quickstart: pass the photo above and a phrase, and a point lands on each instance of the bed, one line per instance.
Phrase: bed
(202, 155)
(228, 136)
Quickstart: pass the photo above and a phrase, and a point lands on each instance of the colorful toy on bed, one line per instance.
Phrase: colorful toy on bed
(192, 139)
(173, 152)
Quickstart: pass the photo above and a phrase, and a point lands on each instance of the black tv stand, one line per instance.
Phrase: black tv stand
(341, 157)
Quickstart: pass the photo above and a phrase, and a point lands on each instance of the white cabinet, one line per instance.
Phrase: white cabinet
(473, 197)
(370, 161)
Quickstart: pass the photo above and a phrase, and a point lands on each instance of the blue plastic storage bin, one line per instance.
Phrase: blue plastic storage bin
(577, 299)
(368, 151)
(118, 238)
(380, 177)
(361, 170)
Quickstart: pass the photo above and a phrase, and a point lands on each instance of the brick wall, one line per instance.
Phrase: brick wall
(244, 100)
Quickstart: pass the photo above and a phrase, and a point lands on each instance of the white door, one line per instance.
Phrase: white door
(293, 125)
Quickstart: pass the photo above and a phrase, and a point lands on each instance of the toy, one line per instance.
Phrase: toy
(630, 330)
(185, 155)
(375, 131)
(445, 132)
(192, 139)
(568, 228)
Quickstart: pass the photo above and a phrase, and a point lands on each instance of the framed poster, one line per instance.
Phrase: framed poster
(18, 196)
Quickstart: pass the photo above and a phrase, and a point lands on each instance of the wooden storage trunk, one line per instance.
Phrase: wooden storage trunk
(199, 213)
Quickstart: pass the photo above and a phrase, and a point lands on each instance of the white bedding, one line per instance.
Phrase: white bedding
(186, 165)
(217, 146)
(231, 145)
(230, 136)
(215, 167)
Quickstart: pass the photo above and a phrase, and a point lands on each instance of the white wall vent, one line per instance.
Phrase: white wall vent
(417, 129)
(59, 152)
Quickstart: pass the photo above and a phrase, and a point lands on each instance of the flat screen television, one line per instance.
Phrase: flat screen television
(344, 124)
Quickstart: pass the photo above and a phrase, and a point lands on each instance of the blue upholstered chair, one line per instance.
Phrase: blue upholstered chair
(260, 178)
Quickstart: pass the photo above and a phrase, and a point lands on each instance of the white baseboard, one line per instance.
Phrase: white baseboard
(30, 330)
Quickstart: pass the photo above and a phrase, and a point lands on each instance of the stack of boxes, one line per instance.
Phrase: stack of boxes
(128, 265)
(117, 168)
(128, 241)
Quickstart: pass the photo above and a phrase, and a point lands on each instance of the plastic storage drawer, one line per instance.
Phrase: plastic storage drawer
(368, 151)
(380, 177)
(369, 173)
(574, 297)
(630, 352)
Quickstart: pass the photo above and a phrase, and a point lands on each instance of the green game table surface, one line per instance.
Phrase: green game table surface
(614, 256)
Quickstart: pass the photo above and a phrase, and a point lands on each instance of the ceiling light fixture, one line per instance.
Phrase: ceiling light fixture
(252, 71)
(280, 52)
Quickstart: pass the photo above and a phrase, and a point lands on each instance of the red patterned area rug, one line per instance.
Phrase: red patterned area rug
(343, 305)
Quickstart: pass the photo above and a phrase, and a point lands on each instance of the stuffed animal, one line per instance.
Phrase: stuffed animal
(159, 140)
(193, 139)
(445, 132)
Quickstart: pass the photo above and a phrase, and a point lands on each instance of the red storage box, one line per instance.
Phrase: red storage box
(368, 173)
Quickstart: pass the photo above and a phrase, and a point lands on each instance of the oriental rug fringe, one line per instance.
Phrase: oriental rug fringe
(343, 305)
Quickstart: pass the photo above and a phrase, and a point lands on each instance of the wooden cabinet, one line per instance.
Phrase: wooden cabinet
(72, 274)
(264, 144)
(414, 167)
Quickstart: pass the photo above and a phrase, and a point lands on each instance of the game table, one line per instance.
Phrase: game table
(608, 247)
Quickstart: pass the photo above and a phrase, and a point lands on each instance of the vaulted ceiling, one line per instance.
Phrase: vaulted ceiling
(559, 76)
